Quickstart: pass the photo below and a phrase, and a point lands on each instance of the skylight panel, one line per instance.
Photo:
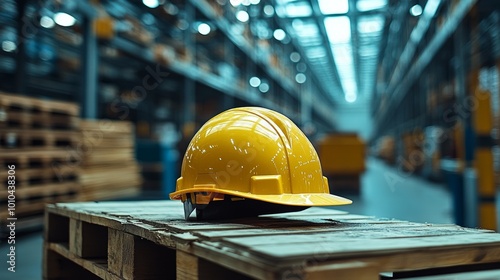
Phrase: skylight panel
(330, 7)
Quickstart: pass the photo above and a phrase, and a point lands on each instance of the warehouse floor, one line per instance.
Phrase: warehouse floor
(385, 193)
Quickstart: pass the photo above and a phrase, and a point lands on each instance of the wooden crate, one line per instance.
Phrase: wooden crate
(151, 240)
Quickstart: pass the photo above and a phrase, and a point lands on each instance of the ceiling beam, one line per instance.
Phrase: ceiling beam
(319, 18)
(353, 19)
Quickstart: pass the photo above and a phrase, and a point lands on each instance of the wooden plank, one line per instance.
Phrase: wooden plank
(345, 233)
(121, 254)
(97, 267)
(348, 247)
(46, 189)
(190, 267)
(319, 228)
(186, 266)
(362, 271)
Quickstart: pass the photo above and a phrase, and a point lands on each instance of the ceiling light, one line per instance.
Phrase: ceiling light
(245, 2)
(351, 98)
(279, 34)
(416, 10)
(369, 5)
(47, 22)
(295, 57)
(235, 3)
(300, 78)
(204, 29)
(264, 87)
(301, 67)
(242, 16)
(254, 2)
(268, 10)
(64, 19)
(151, 3)
(255, 82)
(9, 46)
(338, 29)
(328, 7)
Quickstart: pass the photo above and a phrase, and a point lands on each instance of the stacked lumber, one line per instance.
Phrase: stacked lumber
(109, 168)
(37, 138)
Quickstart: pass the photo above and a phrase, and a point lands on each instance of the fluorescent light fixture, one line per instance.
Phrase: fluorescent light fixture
(255, 82)
(204, 28)
(300, 9)
(338, 29)
(300, 78)
(342, 54)
(315, 52)
(416, 10)
(368, 5)
(242, 16)
(47, 22)
(64, 19)
(8, 46)
(370, 24)
(329, 7)
(264, 87)
(151, 3)
(431, 7)
(279, 34)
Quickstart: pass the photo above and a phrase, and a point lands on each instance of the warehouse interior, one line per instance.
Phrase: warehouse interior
(99, 100)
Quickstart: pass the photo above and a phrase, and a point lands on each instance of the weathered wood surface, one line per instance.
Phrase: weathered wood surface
(312, 244)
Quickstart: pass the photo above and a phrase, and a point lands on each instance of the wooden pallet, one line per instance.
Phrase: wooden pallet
(32, 201)
(38, 120)
(147, 240)
(17, 103)
(35, 138)
(57, 159)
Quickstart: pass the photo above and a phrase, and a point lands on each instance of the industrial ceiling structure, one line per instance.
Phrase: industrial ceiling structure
(341, 40)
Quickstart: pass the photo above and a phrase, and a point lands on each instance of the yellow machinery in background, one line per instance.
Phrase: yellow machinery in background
(342, 158)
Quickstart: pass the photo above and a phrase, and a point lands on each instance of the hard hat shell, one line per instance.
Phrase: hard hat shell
(258, 154)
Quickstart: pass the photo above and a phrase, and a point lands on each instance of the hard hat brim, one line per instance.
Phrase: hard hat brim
(303, 199)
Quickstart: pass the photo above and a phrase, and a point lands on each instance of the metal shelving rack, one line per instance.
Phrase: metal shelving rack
(285, 95)
(428, 82)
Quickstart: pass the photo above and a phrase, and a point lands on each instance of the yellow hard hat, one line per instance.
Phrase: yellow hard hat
(254, 154)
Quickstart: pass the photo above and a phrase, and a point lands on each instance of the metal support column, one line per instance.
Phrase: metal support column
(88, 95)
(189, 100)
(455, 176)
(21, 49)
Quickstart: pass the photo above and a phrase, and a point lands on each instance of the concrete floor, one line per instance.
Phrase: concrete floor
(384, 193)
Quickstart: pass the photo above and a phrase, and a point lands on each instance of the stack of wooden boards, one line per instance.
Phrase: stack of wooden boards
(37, 138)
(109, 168)
(58, 157)
(151, 240)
